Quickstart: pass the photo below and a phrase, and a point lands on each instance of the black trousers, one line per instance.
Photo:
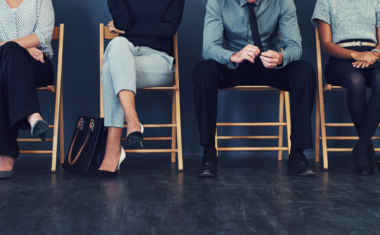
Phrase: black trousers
(297, 77)
(20, 75)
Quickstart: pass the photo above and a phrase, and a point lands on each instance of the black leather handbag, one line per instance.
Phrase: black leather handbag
(87, 147)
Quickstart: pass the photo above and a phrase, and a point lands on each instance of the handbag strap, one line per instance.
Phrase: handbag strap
(79, 128)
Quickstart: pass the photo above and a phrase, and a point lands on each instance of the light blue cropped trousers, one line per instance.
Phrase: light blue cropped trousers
(126, 67)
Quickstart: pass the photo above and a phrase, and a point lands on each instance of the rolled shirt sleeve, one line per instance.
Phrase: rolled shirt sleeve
(322, 12)
(291, 41)
(45, 24)
(213, 36)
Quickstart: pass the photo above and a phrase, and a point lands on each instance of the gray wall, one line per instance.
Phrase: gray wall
(81, 79)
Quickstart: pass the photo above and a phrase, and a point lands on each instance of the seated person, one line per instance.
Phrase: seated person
(254, 32)
(26, 31)
(142, 56)
(354, 66)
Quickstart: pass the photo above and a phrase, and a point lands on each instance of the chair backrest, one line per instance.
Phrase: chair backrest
(58, 34)
(319, 59)
(106, 35)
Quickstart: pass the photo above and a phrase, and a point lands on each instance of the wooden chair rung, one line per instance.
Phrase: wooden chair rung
(253, 149)
(253, 124)
(340, 125)
(152, 138)
(156, 125)
(151, 151)
(347, 138)
(345, 149)
(247, 137)
(36, 152)
(34, 140)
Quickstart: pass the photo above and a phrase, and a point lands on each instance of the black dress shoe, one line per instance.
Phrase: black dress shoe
(299, 166)
(362, 171)
(209, 166)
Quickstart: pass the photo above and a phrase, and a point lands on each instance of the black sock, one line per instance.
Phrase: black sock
(209, 150)
(295, 150)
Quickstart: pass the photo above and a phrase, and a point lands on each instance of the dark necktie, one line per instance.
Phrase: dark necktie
(254, 27)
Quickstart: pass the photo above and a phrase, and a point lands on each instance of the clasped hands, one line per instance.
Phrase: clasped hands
(270, 59)
(364, 59)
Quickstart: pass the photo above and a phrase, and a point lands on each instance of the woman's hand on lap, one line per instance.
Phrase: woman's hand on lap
(111, 28)
(36, 54)
(364, 56)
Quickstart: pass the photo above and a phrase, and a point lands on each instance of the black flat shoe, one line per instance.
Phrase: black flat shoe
(39, 129)
(209, 167)
(110, 174)
(363, 172)
(6, 174)
(375, 169)
(136, 137)
(298, 165)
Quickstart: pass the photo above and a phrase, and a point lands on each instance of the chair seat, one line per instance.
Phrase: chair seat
(47, 89)
(170, 88)
(250, 88)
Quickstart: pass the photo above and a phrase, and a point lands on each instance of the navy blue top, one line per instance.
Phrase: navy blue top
(151, 23)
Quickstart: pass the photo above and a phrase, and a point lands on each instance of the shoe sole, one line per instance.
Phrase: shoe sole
(206, 175)
(309, 174)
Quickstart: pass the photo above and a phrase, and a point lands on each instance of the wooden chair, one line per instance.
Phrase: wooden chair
(280, 124)
(58, 113)
(176, 136)
(320, 115)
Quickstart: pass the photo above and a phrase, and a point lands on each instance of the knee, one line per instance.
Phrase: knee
(205, 70)
(12, 48)
(305, 72)
(119, 43)
(356, 81)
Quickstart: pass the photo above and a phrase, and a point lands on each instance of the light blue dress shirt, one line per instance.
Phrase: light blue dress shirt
(227, 29)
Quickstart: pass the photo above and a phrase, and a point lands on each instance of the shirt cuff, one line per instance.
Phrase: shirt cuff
(227, 61)
(285, 60)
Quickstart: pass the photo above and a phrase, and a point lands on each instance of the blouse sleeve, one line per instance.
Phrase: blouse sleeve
(45, 23)
(321, 12)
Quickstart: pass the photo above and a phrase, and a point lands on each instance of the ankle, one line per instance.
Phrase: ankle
(6, 163)
(34, 118)
(296, 151)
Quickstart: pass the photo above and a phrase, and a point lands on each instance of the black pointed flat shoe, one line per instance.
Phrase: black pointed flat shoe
(136, 137)
(6, 174)
(39, 129)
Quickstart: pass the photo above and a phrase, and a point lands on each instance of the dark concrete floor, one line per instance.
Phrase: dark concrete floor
(252, 195)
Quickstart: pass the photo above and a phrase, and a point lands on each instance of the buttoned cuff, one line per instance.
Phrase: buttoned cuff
(227, 61)
(285, 60)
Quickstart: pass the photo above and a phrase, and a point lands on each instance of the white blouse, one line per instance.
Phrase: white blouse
(349, 19)
(32, 16)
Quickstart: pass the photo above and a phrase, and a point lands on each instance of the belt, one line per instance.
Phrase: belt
(357, 44)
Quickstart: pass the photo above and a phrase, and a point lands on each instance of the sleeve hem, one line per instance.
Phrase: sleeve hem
(228, 62)
(317, 17)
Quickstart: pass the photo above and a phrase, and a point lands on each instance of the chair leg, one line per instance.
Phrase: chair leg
(288, 120)
(61, 132)
(281, 128)
(55, 133)
(216, 141)
(323, 130)
(317, 128)
(174, 137)
(179, 131)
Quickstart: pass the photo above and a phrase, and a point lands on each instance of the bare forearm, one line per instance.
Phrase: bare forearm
(28, 41)
(334, 50)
